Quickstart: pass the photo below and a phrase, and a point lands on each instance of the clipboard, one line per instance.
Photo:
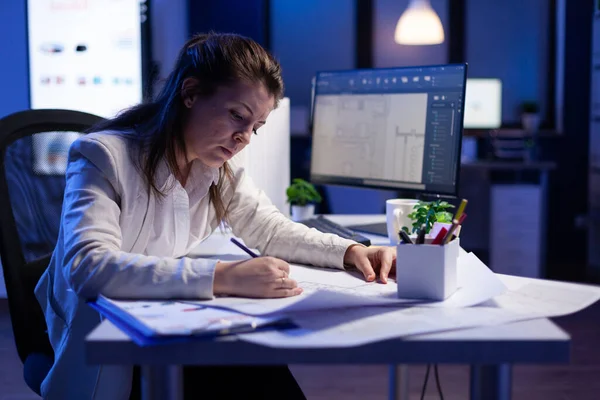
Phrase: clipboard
(153, 322)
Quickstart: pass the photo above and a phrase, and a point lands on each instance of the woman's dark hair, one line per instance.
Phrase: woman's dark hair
(214, 59)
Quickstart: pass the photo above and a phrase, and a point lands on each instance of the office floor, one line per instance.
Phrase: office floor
(577, 381)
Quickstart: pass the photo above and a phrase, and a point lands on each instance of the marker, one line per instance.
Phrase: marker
(404, 236)
(241, 246)
(462, 218)
(440, 236)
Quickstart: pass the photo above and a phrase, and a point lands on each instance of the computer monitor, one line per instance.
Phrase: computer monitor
(393, 128)
(389, 128)
(483, 104)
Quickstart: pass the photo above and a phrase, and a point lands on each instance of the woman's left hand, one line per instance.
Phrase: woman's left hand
(370, 260)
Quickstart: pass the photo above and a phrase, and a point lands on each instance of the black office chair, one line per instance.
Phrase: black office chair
(33, 153)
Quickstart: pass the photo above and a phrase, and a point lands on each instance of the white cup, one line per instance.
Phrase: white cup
(396, 211)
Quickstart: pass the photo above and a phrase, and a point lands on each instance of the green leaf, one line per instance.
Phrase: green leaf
(301, 193)
(443, 216)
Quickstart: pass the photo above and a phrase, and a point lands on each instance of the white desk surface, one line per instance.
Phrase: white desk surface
(535, 341)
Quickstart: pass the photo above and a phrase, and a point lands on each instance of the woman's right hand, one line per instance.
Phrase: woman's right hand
(257, 277)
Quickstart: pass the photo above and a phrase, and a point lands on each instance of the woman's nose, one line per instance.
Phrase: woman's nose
(243, 137)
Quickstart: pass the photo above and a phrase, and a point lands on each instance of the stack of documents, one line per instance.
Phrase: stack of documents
(148, 322)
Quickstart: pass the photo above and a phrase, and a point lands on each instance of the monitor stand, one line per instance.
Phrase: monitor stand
(379, 228)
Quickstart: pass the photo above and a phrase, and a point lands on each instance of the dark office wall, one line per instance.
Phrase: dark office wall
(14, 94)
(509, 40)
(244, 17)
(308, 36)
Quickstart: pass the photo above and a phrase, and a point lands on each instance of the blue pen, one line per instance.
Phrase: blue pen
(241, 246)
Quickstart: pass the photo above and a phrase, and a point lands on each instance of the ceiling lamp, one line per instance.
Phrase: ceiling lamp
(419, 25)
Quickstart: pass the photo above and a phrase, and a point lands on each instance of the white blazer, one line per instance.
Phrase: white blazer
(105, 247)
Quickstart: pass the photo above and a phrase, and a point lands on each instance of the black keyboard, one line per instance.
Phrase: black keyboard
(324, 225)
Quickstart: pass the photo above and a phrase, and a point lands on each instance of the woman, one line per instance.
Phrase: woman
(146, 187)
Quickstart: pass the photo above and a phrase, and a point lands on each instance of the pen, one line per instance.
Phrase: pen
(462, 218)
(461, 209)
(241, 246)
(448, 237)
(421, 235)
(404, 236)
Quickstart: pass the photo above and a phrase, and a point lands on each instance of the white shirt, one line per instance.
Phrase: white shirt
(182, 223)
(117, 238)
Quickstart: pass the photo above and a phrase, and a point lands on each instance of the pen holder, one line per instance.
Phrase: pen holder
(427, 271)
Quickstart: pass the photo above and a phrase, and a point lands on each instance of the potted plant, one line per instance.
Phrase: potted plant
(302, 196)
(530, 116)
(428, 213)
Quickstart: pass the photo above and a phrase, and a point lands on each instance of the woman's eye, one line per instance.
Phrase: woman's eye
(254, 130)
(236, 116)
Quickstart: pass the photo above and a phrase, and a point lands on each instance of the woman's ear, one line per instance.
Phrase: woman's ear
(187, 91)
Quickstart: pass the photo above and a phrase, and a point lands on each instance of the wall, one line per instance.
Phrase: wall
(308, 36)
(509, 40)
(13, 53)
(15, 79)
(244, 17)
(169, 19)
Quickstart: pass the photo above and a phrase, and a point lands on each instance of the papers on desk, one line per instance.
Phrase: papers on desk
(525, 299)
(160, 318)
(543, 297)
(359, 326)
(328, 288)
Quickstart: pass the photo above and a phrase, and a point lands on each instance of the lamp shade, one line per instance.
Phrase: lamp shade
(419, 25)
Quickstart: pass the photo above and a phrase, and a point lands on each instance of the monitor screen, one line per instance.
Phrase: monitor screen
(86, 55)
(393, 128)
(483, 104)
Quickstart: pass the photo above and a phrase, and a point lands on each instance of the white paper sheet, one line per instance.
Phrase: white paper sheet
(548, 298)
(526, 299)
(328, 288)
(359, 326)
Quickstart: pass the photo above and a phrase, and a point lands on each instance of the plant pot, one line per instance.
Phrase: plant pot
(531, 122)
(300, 213)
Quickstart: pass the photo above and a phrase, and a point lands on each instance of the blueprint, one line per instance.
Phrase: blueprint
(371, 136)
(525, 299)
(326, 288)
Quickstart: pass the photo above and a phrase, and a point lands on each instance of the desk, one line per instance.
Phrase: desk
(490, 350)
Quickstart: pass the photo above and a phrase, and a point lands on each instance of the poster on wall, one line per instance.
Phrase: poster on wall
(85, 55)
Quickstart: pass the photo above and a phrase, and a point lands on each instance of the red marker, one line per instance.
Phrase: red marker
(440, 236)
